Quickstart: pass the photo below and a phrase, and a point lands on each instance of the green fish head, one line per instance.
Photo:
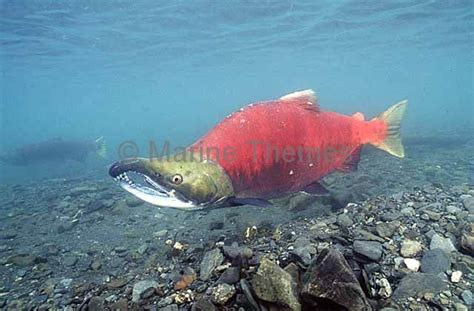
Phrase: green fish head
(184, 183)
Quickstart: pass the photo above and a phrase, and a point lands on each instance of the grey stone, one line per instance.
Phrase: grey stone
(245, 286)
(410, 248)
(467, 243)
(468, 202)
(343, 220)
(222, 293)
(445, 244)
(273, 284)
(70, 261)
(466, 296)
(24, 260)
(142, 249)
(203, 305)
(414, 284)
(435, 261)
(173, 307)
(143, 289)
(408, 211)
(389, 216)
(330, 281)
(96, 303)
(452, 209)
(209, 262)
(82, 190)
(160, 234)
(386, 229)
(230, 276)
(369, 249)
(133, 201)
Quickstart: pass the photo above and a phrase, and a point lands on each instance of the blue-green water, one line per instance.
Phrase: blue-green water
(139, 71)
(145, 70)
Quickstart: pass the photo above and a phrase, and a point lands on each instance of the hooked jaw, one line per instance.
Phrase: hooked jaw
(136, 176)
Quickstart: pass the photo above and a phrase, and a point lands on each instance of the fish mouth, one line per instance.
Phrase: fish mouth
(134, 177)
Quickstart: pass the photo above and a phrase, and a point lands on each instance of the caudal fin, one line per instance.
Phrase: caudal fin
(392, 117)
(101, 148)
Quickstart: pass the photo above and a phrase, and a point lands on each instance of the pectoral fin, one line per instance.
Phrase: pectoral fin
(316, 188)
(249, 201)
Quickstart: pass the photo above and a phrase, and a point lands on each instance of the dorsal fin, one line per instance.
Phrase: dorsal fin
(359, 116)
(306, 95)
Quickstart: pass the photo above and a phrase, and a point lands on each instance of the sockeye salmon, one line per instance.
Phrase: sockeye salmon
(265, 150)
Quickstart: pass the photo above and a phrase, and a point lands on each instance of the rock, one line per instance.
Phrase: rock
(433, 215)
(467, 243)
(366, 235)
(187, 278)
(414, 284)
(460, 307)
(330, 282)
(273, 284)
(303, 250)
(7, 235)
(144, 289)
(369, 249)
(97, 205)
(209, 262)
(408, 211)
(244, 285)
(120, 305)
(467, 297)
(230, 276)
(222, 293)
(118, 283)
(238, 254)
(389, 216)
(70, 261)
(412, 264)
(25, 260)
(410, 248)
(468, 202)
(81, 190)
(216, 225)
(435, 261)
(343, 220)
(160, 234)
(96, 265)
(452, 209)
(96, 304)
(456, 276)
(445, 244)
(387, 229)
(385, 290)
(65, 282)
(133, 201)
(203, 305)
(142, 249)
(169, 308)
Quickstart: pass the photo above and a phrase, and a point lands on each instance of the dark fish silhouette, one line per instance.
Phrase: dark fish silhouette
(55, 150)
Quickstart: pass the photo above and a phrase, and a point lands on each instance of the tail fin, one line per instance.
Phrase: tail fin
(101, 148)
(392, 117)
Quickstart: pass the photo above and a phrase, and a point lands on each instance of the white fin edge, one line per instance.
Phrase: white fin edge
(306, 95)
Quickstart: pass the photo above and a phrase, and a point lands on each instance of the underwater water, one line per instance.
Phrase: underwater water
(168, 71)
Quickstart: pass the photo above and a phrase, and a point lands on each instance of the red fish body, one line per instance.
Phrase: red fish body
(277, 147)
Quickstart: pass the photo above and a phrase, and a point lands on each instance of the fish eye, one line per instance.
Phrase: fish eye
(177, 179)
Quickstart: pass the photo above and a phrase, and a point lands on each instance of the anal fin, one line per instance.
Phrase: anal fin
(352, 161)
(316, 188)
